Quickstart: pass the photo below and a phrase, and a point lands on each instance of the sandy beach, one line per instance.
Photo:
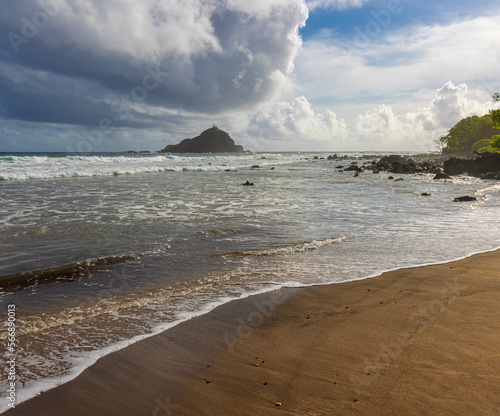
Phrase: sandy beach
(420, 341)
(250, 208)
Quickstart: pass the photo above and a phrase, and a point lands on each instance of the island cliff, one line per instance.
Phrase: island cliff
(212, 140)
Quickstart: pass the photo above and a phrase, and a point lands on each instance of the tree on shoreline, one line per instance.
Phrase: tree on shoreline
(466, 133)
(474, 134)
(492, 145)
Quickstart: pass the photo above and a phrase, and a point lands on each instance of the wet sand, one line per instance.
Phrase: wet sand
(420, 341)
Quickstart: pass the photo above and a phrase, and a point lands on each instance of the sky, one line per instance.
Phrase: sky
(277, 75)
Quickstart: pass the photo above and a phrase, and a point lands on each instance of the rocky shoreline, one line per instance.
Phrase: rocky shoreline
(484, 166)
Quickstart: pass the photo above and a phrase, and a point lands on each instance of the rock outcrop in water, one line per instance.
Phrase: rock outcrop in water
(402, 165)
(441, 175)
(466, 198)
(212, 140)
(486, 166)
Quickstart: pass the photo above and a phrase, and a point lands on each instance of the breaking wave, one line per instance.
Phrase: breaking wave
(71, 166)
(296, 248)
(63, 273)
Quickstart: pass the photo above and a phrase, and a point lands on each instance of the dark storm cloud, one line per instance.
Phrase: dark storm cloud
(76, 62)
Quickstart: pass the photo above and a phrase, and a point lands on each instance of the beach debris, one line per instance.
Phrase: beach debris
(465, 198)
(247, 183)
(255, 167)
(425, 194)
(390, 177)
(278, 404)
(398, 180)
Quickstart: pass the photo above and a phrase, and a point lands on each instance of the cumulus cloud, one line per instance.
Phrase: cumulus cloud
(450, 105)
(174, 67)
(397, 63)
(77, 61)
(380, 128)
(418, 129)
(296, 121)
(334, 4)
(393, 88)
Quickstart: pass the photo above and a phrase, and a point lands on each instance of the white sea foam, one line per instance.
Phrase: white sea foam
(296, 248)
(44, 167)
(281, 226)
(83, 361)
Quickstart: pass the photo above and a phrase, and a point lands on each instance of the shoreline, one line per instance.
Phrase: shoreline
(84, 363)
(216, 356)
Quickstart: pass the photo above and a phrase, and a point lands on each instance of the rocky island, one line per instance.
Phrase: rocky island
(212, 140)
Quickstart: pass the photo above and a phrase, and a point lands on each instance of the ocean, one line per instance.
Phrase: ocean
(150, 240)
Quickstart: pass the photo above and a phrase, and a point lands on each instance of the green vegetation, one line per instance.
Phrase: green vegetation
(474, 134)
(466, 133)
(490, 145)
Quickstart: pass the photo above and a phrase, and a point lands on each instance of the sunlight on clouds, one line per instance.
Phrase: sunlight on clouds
(418, 129)
(261, 8)
(296, 119)
(334, 4)
(403, 89)
(399, 63)
(144, 30)
(244, 65)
